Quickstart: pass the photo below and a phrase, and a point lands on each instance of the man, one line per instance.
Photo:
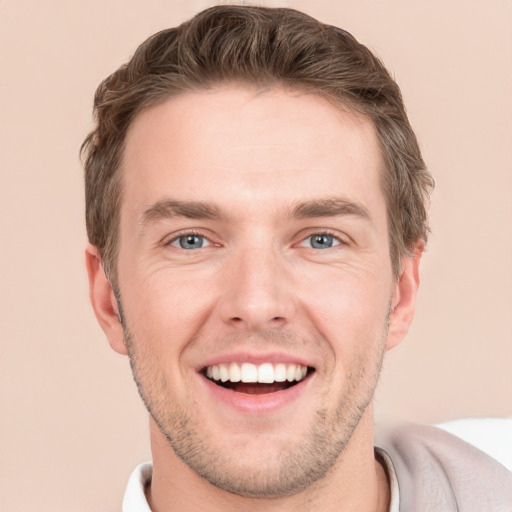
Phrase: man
(256, 215)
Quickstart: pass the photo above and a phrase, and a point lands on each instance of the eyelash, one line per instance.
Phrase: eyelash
(323, 232)
(188, 233)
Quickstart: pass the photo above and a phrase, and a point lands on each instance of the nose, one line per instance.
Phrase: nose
(257, 292)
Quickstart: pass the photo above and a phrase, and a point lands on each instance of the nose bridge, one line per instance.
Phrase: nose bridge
(257, 294)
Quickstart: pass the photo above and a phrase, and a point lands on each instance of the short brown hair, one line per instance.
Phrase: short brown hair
(256, 46)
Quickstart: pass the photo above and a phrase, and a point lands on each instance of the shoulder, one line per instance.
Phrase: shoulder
(491, 435)
(438, 471)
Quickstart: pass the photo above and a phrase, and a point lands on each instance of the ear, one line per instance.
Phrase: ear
(403, 302)
(103, 300)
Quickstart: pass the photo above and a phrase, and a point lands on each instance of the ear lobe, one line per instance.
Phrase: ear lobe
(103, 300)
(403, 302)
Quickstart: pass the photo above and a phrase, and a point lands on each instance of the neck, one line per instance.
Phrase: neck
(357, 482)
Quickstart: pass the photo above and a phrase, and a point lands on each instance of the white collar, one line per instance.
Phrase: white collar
(135, 496)
(385, 459)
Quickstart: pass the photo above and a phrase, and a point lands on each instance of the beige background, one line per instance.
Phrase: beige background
(71, 424)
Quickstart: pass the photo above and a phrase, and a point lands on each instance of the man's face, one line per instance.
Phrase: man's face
(253, 238)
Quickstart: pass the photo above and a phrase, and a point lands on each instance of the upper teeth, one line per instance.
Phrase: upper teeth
(265, 373)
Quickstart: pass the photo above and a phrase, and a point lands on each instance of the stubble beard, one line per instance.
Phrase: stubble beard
(292, 469)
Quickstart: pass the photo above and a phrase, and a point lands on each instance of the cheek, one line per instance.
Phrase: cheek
(350, 312)
(165, 309)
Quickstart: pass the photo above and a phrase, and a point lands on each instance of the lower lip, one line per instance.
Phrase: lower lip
(257, 404)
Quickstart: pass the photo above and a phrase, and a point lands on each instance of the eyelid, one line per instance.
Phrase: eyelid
(169, 240)
(329, 232)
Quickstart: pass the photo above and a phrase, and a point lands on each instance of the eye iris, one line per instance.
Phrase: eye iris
(191, 242)
(321, 241)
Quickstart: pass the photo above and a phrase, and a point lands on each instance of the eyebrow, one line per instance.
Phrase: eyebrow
(169, 208)
(330, 207)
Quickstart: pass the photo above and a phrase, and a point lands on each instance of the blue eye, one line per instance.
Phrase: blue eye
(322, 241)
(189, 242)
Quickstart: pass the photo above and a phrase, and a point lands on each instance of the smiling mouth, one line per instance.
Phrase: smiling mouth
(254, 379)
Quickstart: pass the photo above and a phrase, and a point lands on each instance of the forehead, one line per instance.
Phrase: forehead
(239, 146)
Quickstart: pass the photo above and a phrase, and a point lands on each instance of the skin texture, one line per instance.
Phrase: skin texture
(274, 168)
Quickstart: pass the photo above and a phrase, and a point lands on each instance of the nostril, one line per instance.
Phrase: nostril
(255, 323)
